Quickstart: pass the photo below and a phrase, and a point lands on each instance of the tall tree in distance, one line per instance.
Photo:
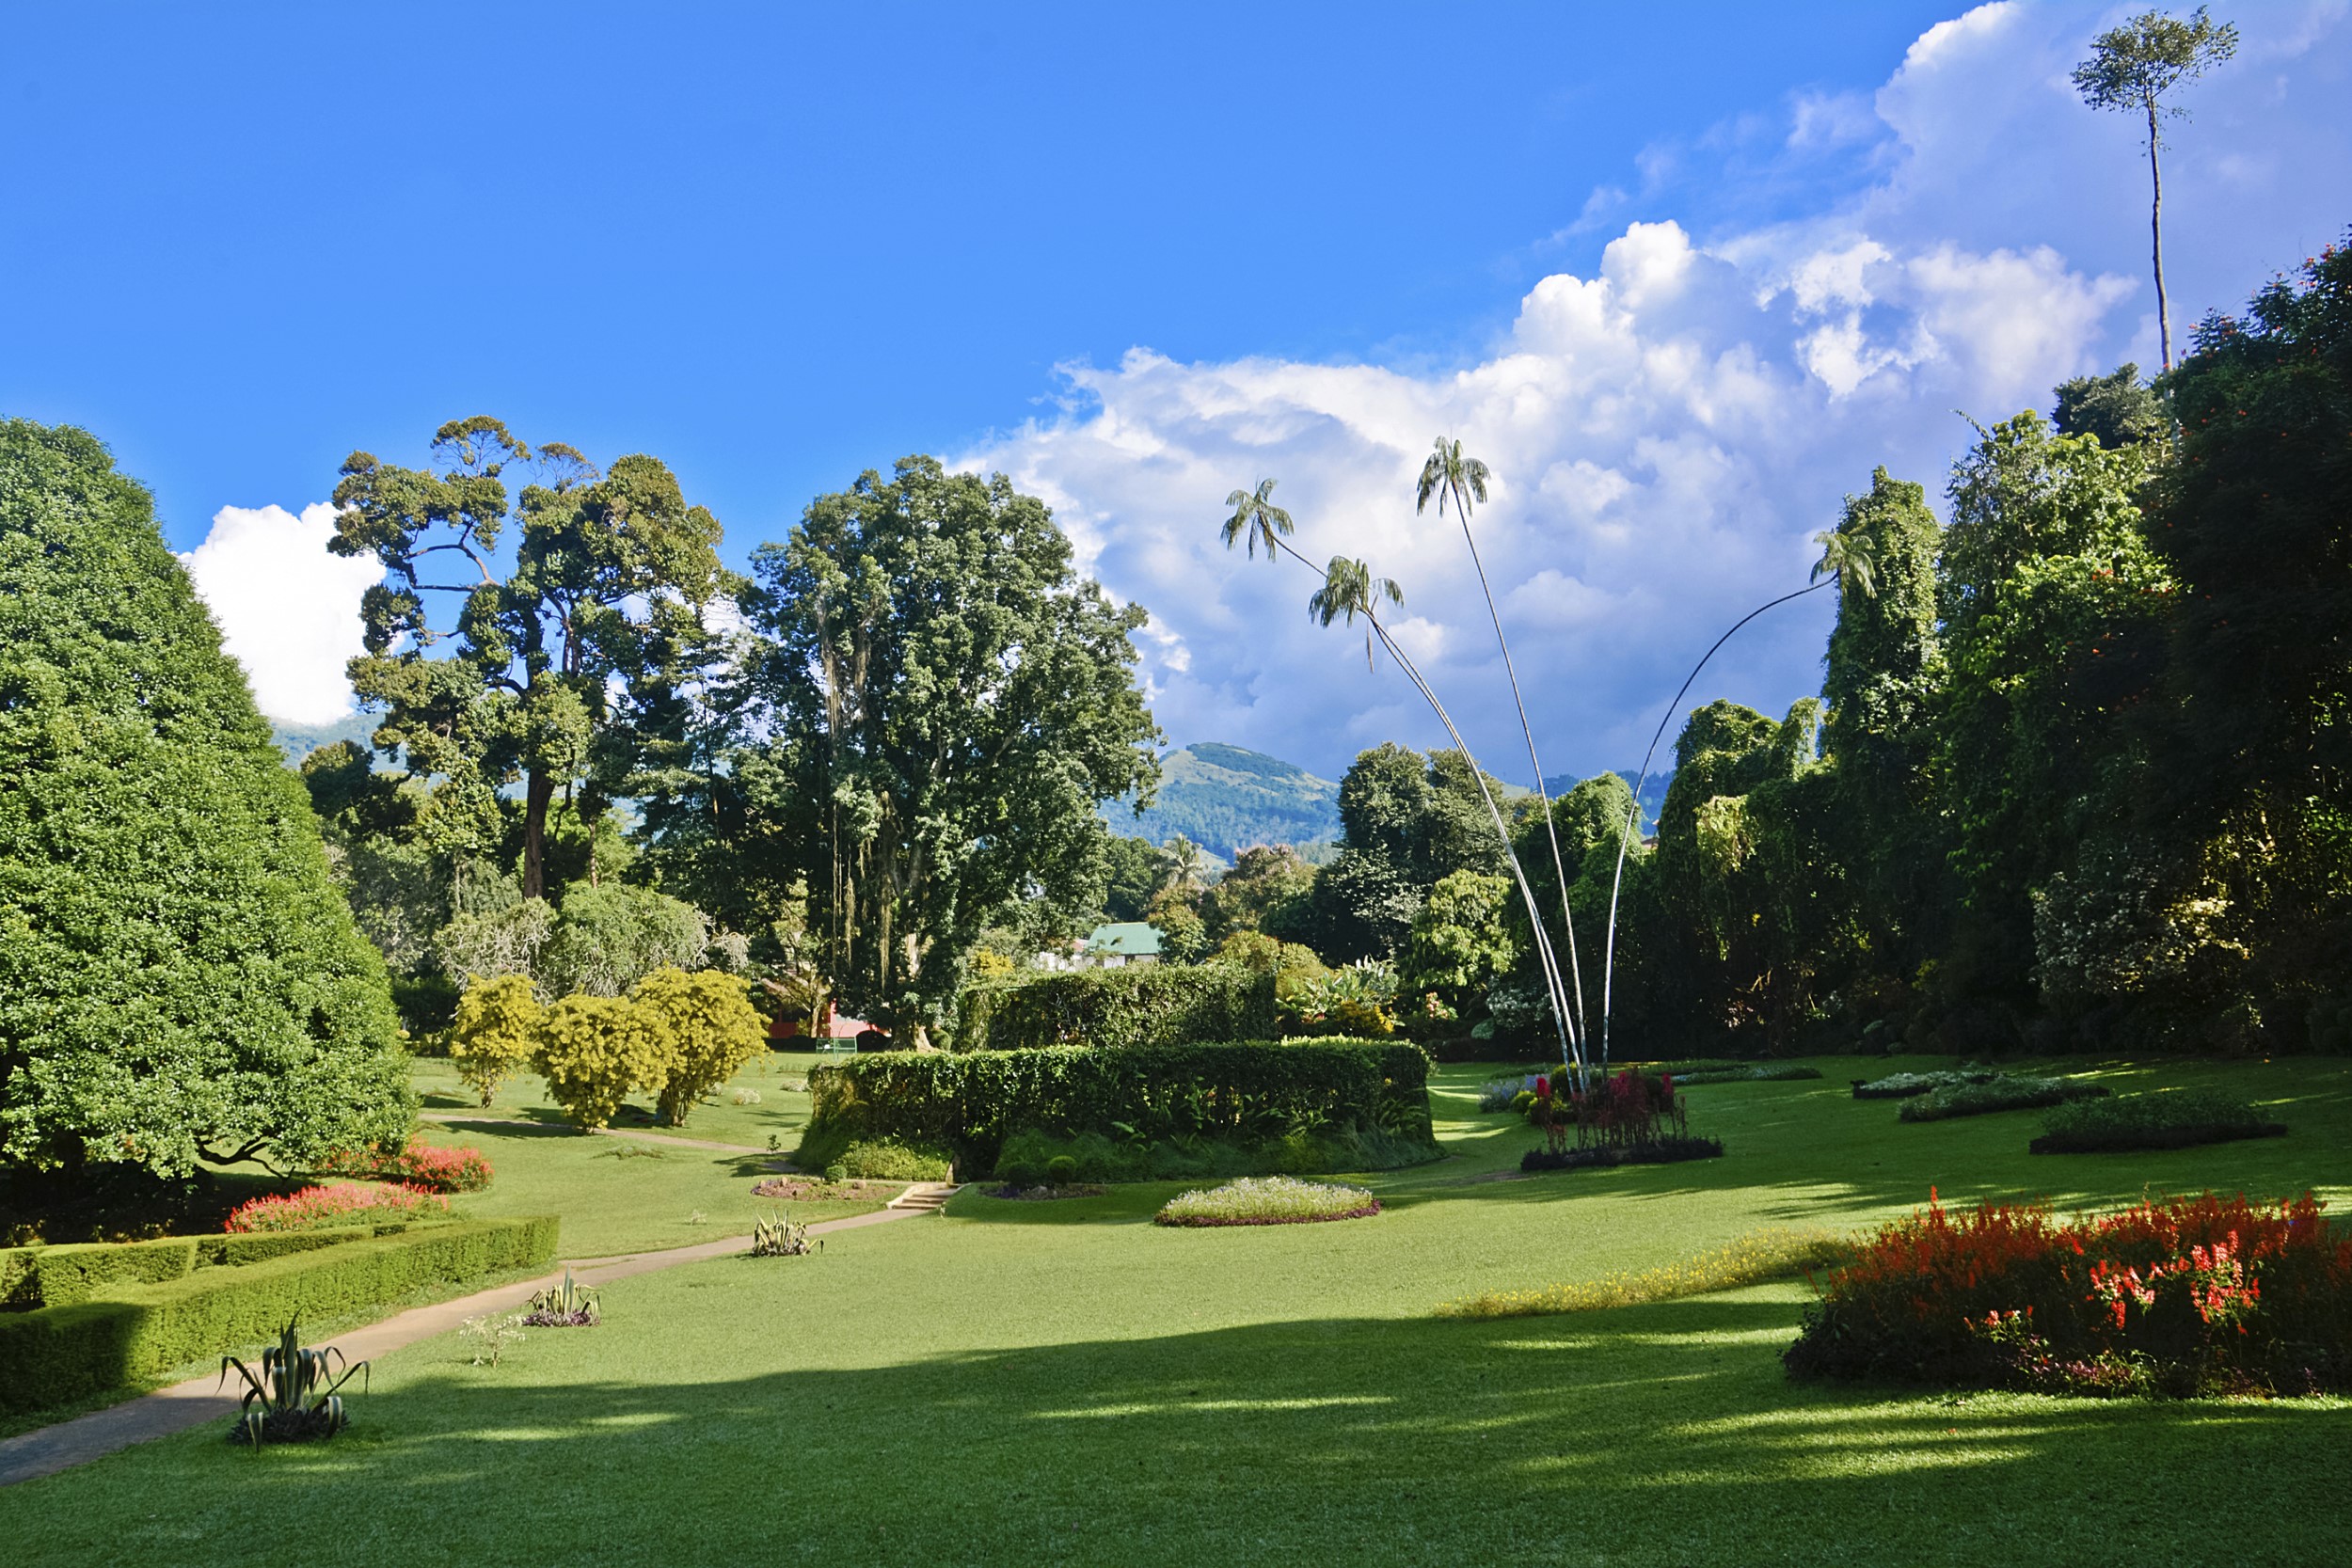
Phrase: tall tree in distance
(1448, 475)
(1885, 672)
(2131, 68)
(938, 702)
(566, 672)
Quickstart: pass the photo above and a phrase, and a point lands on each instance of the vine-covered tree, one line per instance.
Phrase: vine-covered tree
(2255, 739)
(1885, 671)
(941, 703)
(178, 979)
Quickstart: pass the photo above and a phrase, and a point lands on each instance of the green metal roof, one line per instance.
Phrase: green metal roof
(1134, 938)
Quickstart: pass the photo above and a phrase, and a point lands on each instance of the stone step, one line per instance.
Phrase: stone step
(925, 1196)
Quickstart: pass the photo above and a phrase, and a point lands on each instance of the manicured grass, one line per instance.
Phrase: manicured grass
(1065, 1382)
(627, 1194)
(781, 1112)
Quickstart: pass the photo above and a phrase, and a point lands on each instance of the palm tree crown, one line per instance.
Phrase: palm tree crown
(1350, 590)
(1447, 471)
(1847, 557)
(1257, 519)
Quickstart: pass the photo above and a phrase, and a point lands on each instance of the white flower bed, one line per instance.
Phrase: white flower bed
(1269, 1200)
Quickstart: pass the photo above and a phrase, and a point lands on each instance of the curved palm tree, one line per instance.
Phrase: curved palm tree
(1448, 473)
(1255, 517)
(1625, 840)
(1350, 589)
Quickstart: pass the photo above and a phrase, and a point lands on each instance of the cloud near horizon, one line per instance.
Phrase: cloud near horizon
(288, 610)
(1791, 298)
(1668, 433)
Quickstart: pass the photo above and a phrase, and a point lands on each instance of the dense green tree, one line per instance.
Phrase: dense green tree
(179, 978)
(940, 702)
(1885, 672)
(569, 674)
(608, 937)
(2254, 735)
(2053, 608)
(1461, 940)
(1175, 913)
(1407, 820)
(1747, 885)
(1264, 885)
(1131, 874)
(2119, 408)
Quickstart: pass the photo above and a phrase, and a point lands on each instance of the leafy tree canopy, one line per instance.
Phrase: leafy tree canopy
(179, 978)
(571, 672)
(941, 703)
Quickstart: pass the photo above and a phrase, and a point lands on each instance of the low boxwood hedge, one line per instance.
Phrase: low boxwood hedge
(78, 1270)
(2180, 1118)
(126, 1332)
(1241, 1093)
(60, 1276)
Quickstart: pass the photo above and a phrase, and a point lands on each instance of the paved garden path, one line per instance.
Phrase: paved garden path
(459, 1119)
(49, 1450)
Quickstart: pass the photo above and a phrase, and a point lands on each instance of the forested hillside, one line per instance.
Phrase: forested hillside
(1226, 799)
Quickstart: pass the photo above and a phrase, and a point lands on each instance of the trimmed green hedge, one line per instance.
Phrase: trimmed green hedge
(1136, 1004)
(79, 1270)
(1245, 1093)
(40, 1276)
(132, 1331)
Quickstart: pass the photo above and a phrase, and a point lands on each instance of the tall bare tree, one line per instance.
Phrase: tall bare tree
(2131, 68)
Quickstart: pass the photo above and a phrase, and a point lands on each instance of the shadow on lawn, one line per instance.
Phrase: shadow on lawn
(1656, 1435)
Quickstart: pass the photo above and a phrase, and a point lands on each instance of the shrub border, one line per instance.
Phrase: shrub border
(129, 1332)
(1661, 1151)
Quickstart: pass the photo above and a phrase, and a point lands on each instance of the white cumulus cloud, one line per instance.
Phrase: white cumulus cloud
(288, 610)
(1668, 431)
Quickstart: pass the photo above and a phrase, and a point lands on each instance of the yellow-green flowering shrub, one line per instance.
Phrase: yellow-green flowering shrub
(594, 1050)
(713, 1030)
(496, 1033)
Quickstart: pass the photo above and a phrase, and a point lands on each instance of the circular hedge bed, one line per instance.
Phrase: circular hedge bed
(1268, 1200)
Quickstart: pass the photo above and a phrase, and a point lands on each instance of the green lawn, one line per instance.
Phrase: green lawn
(628, 1195)
(1024, 1382)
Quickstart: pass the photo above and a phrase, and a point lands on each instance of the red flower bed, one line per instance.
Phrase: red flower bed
(344, 1203)
(1622, 1112)
(2178, 1296)
(419, 1165)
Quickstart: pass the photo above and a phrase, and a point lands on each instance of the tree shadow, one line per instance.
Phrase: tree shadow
(1658, 1434)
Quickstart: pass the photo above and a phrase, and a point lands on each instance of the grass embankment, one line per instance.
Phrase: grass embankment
(1066, 1382)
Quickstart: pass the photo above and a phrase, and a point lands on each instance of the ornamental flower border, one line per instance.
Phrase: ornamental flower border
(1243, 1187)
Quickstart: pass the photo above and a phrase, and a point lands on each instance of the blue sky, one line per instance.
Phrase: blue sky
(1135, 257)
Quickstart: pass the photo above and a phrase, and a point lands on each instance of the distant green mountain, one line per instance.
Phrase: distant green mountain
(1226, 799)
(299, 740)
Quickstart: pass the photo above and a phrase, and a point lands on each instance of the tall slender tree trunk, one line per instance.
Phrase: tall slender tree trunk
(538, 791)
(1543, 795)
(2155, 224)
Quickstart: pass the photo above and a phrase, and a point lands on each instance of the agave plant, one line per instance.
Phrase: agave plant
(777, 1237)
(565, 1305)
(291, 1398)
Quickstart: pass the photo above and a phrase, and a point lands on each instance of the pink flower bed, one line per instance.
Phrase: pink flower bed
(419, 1165)
(344, 1203)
